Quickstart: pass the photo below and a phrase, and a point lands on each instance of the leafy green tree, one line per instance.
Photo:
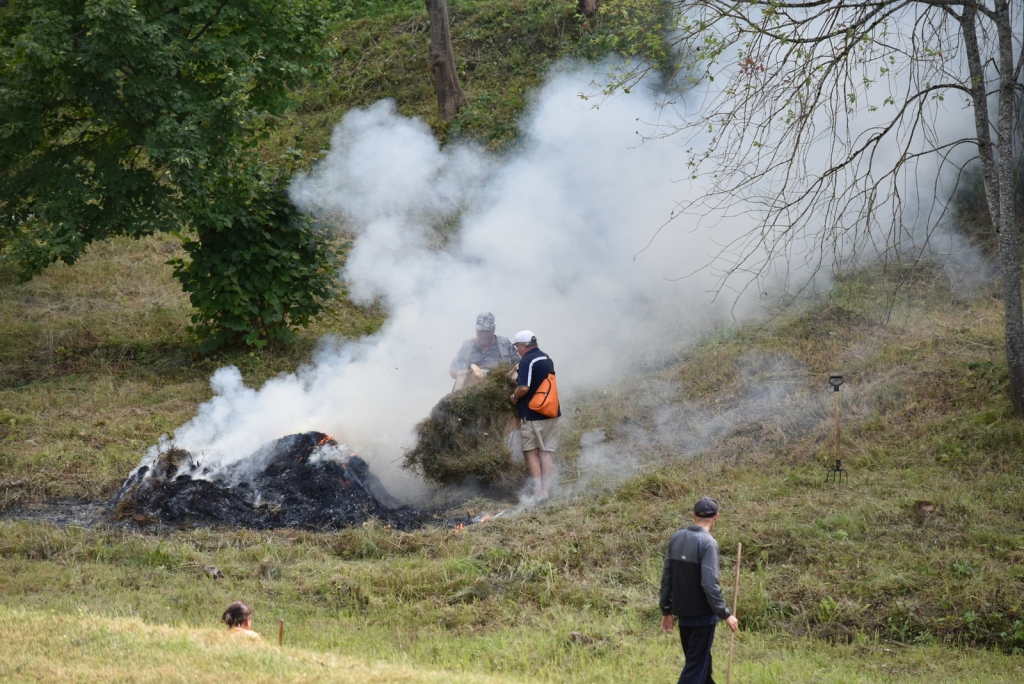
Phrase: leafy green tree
(126, 117)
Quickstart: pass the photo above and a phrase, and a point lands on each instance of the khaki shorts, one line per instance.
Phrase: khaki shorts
(540, 434)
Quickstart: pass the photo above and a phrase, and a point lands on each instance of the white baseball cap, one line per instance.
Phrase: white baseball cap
(525, 337)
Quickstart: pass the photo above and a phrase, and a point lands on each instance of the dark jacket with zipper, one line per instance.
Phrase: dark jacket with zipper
(689, 579)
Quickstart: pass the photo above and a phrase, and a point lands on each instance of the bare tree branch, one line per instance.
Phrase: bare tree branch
(818, 119)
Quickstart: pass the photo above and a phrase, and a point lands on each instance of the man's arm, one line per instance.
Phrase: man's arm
(461, 360)
(665, 598)
(520, 392)
(522, 384)
(709, 582)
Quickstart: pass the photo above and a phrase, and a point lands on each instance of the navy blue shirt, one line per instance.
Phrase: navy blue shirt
(534, 367)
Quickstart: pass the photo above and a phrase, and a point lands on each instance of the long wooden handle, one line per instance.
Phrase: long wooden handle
(735, 603)
(280, 633)
(838, 442)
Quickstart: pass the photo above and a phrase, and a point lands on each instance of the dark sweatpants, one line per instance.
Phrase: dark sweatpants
(697, 647)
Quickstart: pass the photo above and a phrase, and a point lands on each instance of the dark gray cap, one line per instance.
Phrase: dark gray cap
(706, 507)
(485, 321)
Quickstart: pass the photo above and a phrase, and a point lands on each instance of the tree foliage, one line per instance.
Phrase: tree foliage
(126, 117)
(634, 29)
(257, 267)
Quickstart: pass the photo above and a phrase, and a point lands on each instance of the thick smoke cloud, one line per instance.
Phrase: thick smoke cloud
(546, 240)
(550, 238)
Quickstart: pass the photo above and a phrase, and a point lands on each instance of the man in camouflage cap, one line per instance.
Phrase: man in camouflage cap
(486, 350)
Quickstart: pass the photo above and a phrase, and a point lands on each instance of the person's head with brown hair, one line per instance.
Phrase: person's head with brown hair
(238, 614)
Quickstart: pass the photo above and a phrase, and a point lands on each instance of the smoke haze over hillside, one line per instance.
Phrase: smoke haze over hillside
(550, 237)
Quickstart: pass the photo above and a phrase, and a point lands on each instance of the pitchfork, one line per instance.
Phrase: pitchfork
(836, 473)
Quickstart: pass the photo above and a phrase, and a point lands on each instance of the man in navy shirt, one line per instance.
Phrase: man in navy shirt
(540, 432)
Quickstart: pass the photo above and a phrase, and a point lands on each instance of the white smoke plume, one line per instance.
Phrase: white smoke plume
(550, 238)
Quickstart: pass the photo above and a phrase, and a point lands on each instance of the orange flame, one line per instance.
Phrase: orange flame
(327, 438)
(482, 518)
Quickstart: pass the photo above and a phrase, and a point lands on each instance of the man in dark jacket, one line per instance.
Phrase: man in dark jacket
(690, 593)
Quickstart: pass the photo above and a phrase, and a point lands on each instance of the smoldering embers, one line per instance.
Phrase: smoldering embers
(303, 481)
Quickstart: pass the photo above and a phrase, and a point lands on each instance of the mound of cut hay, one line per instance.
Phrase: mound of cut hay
(464, 436)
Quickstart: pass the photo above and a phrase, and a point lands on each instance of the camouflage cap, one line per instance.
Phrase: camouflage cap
(485, 321)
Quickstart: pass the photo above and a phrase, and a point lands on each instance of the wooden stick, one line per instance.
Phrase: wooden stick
(838, 442)
(735, 602)
(280, 632)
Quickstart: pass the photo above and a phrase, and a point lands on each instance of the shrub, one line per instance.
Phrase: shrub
(257, 266)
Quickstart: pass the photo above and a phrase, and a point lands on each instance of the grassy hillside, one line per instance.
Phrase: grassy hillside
(857, 566)
(843, 583)
(44, 647)
(95, 361)
(502, 51)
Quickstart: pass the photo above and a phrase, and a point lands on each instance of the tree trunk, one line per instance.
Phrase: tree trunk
(588, 8)
(998, 172)
(1009, 251)
(450, 97)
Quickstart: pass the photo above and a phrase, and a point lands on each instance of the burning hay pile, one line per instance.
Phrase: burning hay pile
(465, 436)
(302, 481)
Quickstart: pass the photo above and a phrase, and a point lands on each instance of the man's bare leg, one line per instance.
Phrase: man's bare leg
(534, 464)
(547, 468)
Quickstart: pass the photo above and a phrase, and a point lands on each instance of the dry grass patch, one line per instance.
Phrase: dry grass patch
(43, 647)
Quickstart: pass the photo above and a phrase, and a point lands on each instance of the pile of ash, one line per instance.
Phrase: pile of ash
(304, 481)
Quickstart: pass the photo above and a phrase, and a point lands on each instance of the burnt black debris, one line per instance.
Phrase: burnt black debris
(301, 481)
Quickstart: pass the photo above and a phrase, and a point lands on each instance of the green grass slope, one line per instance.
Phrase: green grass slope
(43, 647)
(95, 361)
(851, 572)
(503, 51)
(46, 647)
(851, 583)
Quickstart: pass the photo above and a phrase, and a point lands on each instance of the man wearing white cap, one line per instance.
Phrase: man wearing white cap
(536, 397)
